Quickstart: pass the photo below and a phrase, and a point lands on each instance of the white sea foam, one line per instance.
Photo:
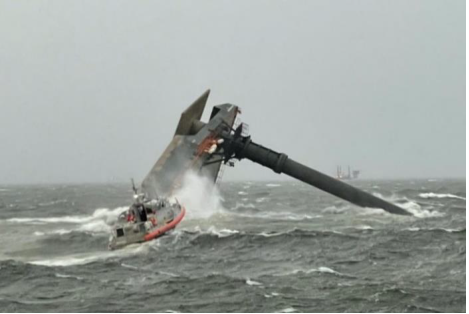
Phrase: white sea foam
(56, 231)
(68, 276)
(82, 259)
(274, 215)
(327, 270)
(321, 269)
(62, 219)
(416, 210)
(97, 226)
(412, 207)
(104, 214)
(273, 185)
(288, 310)
(273, 234)
(416, 229)
(252, 282)
(242, 193)
(221, 233)
(200, 196)
(68, 261)
(364, 227)
(438, 195)
(98, 222)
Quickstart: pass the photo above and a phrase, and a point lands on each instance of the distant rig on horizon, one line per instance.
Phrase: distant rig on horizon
(350, 175)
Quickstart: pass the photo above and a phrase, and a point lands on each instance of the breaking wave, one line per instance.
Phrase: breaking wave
(98, 222)
(416, 210)
(411, 206)
(104, 214)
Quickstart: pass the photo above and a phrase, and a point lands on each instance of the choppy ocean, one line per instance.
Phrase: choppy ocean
(260, 246)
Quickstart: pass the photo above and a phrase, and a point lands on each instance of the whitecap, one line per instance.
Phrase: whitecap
(273, 234)
(327, 270)
(321, 269)
(415, 229)
(273, 185)
(288, 310)
(100, 213)
(416, 210)
(212, 230)
(63, 219)
(438, 195)
(67, 261)
(253, 283)
(68, 276)
(129, 266)
(222, 233)
(82, 259)
(364, 227)
(53, 202)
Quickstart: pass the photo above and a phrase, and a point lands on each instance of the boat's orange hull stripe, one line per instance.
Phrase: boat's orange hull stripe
(160, 231)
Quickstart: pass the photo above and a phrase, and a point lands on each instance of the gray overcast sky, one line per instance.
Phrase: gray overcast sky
(92, 90)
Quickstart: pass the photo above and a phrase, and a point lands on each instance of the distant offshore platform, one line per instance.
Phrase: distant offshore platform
(350, 175)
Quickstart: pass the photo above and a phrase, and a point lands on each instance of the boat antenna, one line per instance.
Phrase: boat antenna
(133, 186)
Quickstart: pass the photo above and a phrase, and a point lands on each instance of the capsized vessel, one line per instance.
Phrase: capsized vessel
(205, 148)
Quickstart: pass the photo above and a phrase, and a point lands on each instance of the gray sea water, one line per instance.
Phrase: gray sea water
(267, 246)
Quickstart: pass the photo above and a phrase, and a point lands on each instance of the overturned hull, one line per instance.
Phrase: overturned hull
(204, 147)
(190, 149)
